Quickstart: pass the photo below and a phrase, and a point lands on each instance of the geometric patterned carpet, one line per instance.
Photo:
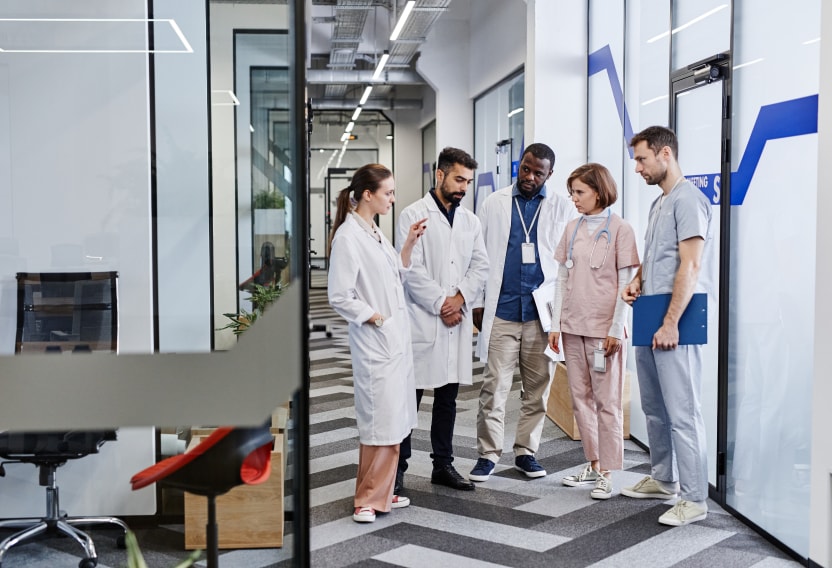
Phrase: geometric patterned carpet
(507, 521)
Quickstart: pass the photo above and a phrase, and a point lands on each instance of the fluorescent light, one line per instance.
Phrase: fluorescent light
(690, 23)
(381, 63)
(747, 63)
(366, 95)
(408, 8)
(234, 100)
(356, 113)
(515, 111)
(187, 46)
(345, 136)
(809, 42)
(349, 127)
(650, 101)
(389, 136)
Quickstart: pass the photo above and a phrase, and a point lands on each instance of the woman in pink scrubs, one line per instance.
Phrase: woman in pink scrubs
(597, 256)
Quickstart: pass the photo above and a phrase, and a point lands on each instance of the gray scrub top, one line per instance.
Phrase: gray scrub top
(685, 213)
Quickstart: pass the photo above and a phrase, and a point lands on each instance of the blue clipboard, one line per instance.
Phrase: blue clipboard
(649, 312)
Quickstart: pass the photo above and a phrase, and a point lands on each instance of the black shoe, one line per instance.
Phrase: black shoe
(399, 485)
(446, 475)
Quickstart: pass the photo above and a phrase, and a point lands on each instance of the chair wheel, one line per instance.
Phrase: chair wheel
(88, 563)
(121, 542)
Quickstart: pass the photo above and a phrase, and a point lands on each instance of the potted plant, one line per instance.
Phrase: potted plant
(261, 298)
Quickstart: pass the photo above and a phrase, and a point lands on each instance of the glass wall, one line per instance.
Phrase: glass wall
(770, 365)
(145, 164)
(498, 136)
(646, 86)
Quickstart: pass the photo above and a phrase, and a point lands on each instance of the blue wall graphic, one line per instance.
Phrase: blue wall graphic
(785, 119)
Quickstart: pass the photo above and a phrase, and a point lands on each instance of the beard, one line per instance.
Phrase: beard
(657, 179)
(449, 196)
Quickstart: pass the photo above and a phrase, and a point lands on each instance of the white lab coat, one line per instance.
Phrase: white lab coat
(495, 215)
(445, 260)
(364, 278)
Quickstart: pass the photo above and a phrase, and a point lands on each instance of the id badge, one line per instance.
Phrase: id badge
(599, 362)
(527, 253)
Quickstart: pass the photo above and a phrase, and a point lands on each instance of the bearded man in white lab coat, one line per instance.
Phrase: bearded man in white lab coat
(448, 271)
(522, 224)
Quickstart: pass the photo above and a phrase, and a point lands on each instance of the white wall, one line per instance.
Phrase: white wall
(453, 104)
(556, 91)
(407, 158)
(820, 517)
(498, 42)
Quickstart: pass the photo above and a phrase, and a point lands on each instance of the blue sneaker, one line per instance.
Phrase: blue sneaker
(529, 466)
(482, 471)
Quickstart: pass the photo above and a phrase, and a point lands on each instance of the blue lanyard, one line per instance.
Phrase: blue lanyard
(605, 231)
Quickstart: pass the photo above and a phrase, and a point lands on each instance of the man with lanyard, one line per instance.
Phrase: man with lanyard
(678, 242)
(447, 273)
(522, 226)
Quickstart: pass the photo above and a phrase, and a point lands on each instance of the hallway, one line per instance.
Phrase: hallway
(508, 520)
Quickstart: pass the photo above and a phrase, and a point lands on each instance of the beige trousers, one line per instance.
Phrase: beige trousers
(509, 343)
(376, 476)
(596, 400)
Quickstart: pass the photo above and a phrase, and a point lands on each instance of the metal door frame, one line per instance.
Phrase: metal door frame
(695, 75)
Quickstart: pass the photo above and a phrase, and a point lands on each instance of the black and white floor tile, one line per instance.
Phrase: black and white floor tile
(507, 521)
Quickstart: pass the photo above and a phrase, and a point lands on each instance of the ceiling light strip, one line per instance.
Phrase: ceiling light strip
(381, 63)
(408, 8)
(366, 95)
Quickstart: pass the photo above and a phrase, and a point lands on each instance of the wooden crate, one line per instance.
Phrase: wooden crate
(559, 405)
(248, 516)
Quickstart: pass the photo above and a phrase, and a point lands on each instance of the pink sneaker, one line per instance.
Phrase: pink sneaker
(364, 515)
(399, 502)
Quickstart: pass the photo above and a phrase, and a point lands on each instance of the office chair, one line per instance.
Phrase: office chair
(227, 458)
(49, 451)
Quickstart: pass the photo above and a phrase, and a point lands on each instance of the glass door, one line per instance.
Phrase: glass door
(699, 115)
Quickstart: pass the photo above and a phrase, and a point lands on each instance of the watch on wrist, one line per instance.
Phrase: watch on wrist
(379, 321)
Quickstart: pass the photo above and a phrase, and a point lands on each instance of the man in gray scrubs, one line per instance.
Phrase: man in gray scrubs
(678, 242)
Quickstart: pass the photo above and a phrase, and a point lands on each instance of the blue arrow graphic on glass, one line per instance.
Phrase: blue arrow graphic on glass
(601, 60)
(785, 119)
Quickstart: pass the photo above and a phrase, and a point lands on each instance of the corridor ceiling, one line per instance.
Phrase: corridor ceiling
(348, 37)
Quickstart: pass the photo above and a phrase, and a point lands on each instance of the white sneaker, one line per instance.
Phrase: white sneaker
(587, 477)
(647, 488)
(364, 515)
(683, 513)
(399, 502)
(603, 488)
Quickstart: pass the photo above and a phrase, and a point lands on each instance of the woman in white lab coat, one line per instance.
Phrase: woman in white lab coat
(365, 288)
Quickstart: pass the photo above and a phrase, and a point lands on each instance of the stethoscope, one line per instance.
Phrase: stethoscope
(605, 231)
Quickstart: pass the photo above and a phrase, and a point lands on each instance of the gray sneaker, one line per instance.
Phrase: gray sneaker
(683, 513)
(647, 488)
(587, 477)
(603, 488)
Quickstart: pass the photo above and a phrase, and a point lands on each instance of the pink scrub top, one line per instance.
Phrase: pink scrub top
(590, 293)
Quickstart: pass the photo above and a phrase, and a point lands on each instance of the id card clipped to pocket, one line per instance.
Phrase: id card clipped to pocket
(599, 359)
(527, 253)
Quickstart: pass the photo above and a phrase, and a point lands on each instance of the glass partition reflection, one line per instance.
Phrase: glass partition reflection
(168, 126)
